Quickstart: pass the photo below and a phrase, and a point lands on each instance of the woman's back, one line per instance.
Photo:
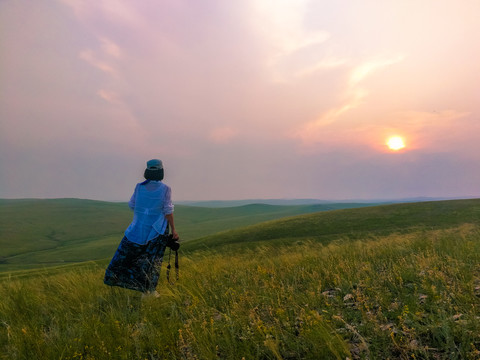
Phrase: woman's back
(150, 202)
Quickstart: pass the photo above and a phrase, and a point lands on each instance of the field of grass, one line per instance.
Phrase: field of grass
(39, 233)
(391, 282)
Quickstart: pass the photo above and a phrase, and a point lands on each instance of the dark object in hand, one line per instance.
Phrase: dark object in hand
(172, 243)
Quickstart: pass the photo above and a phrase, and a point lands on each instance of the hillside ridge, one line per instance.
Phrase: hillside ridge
(352, 223)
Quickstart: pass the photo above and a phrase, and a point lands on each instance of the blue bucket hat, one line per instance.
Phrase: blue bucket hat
(154, 164)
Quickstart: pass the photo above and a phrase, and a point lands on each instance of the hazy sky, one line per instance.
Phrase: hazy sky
(240, 99)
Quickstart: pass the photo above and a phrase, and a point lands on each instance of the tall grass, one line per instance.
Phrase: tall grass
(401, 296)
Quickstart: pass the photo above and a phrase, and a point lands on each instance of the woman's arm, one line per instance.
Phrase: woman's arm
(131, 203)
(171, 223)
(168, 210)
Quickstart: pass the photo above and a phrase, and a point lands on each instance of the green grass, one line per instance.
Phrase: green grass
(31, 229)
(405, 295)
(41, 233)
(348, 224)
(391, 282)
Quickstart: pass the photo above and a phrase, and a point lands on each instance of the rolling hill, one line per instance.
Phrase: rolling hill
(350, 224)
(38, 233)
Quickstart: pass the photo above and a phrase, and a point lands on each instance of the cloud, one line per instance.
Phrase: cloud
(362, 70)
(109, 96)
(311, 131)
(354, 94)
(326, 63)
(432, 130)
(118, 11)
(223, 135)
(110, 48)
(317, 85)
(428, 132)
(89, 56)
(112, 10)
(280, 24)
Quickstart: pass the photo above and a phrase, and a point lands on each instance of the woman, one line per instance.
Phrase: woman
(136, 263)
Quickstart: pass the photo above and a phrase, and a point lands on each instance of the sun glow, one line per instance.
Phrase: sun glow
(395, 143)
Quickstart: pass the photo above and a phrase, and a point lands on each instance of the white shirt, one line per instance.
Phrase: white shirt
(150, 202)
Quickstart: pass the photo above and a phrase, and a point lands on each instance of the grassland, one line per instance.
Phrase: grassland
(41, 233)
(391, 282)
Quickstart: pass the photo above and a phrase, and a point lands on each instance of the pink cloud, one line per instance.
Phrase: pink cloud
(223, 135)
(110, 48)
(91, 58)
(109, 96)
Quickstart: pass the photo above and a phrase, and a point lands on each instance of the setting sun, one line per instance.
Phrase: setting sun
(395, 143)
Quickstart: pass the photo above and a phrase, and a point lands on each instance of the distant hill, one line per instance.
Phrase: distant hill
(288, 202)
(350, 224)
(280, 202)
(36, 233)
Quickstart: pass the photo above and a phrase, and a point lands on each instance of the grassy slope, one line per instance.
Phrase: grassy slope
(195, 222)
(351, 223)
(37, 233)
(405, 285)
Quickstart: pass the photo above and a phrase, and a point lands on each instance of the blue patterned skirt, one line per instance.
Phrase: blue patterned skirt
(135, 266)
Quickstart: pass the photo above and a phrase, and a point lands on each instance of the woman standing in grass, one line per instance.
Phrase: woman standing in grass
(137, 261)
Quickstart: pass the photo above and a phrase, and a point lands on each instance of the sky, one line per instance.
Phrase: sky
(241, 99)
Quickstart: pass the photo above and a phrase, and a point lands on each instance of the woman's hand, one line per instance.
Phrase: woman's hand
(175, 235)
